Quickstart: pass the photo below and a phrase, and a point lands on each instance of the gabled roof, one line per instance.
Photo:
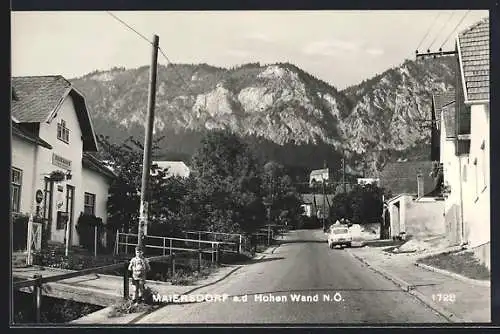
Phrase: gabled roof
(174, 168)
(401, 177)
(319, 171)
(28, 136)
(474, 54)
(93, 163)
(441, 99)
(38, 99)
(311, 198)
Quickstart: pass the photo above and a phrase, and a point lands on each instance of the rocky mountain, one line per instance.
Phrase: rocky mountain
(279, 107)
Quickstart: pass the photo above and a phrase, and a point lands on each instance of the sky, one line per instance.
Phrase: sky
(342, 48)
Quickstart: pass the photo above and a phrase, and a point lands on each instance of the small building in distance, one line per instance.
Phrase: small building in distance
(173, 168)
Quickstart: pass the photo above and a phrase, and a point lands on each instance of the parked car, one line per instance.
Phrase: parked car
(339, 235)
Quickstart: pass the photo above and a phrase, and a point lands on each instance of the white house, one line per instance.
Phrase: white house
(363, 181)
(173, 168)
(319, 175)
(473, 110)
(52, 131)
(450, 162)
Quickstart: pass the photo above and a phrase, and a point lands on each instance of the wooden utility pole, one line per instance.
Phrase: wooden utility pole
(148, 140)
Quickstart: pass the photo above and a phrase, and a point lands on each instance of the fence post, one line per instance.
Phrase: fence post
(170, 246)
(173, 264)
(117, 243)
(199, 240)
(199, 259)
(163, 246)
(37, 295)
(126, 243)
(239, 246)
(125, 282)
(95, 241)
(217, 253)
(213, 255)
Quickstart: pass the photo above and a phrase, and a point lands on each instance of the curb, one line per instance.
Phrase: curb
(486, 284)
(407, 287)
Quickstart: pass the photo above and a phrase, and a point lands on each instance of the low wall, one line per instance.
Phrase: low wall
(482, 253)
(453, 224)
(424, 219)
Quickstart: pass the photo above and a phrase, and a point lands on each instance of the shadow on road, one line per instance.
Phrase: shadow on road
(252, 261)
(282, 242)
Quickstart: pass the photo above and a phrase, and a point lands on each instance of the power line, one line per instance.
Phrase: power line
(463, 18)
(439, 33)
(429, 30)
(159, 48)
(130, 27)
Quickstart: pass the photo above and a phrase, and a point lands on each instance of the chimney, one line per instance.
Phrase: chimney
(420, 185)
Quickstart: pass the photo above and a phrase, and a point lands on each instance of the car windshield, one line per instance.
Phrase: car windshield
(340, 231)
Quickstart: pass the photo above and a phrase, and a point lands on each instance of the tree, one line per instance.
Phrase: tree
(280, 193)
(227, 190)
(165, 196)
(362, 205)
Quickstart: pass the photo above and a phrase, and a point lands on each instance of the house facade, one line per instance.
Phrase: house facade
(53, 133)
(474, 109)
(319, 175)
(413, 208)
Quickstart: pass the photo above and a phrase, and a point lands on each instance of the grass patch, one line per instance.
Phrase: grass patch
(53, 310)
(55, 258)
(463, 263)
(188, 277)
(128, 306)
(384, 243)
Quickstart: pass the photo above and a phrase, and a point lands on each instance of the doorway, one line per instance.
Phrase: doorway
(70, 196)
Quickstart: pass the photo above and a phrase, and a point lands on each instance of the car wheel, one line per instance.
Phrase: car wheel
(349, 245)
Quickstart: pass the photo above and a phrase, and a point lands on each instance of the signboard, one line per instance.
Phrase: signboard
(39, 196)
(59, 161)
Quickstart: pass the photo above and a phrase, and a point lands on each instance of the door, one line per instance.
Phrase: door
(48, 200)
(70, 196)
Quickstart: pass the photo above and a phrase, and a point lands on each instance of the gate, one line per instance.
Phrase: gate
(34, 240)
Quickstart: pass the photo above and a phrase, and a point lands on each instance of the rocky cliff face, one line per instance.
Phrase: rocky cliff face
(279, 103)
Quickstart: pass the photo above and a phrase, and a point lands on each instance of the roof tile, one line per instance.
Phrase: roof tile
(474, 47)
(37, 97)
(401, 177)
(441, 100)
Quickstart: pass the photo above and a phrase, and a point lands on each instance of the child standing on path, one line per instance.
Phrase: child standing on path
(139, 267)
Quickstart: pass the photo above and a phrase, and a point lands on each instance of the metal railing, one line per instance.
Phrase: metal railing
(39, 280)
(224, 238)
(167, 244)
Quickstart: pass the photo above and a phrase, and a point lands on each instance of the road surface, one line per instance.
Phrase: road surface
(336, 289)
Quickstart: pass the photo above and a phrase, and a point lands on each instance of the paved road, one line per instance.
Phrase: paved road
(302, 265)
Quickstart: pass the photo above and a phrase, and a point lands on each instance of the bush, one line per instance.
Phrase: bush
(20, 231)
(85, 228)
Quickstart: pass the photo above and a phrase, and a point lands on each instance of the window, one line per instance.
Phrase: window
(17, 176)
(89, 204)
(62, 132)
